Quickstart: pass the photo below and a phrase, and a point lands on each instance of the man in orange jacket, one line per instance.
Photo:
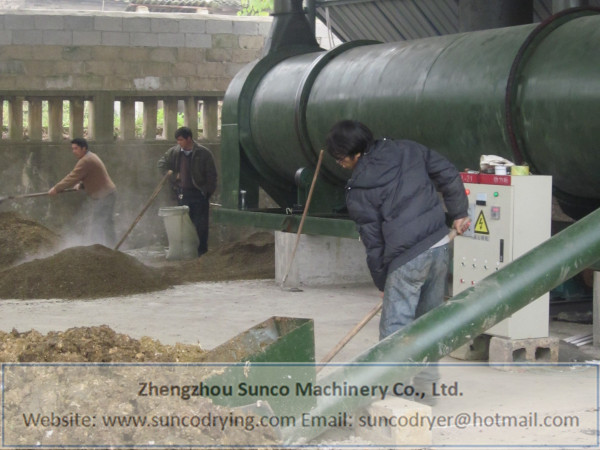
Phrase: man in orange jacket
(91, 175)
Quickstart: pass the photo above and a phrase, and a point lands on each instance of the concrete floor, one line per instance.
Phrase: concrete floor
(212, 313)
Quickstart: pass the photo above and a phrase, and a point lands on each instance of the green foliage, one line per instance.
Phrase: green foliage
(256, 7)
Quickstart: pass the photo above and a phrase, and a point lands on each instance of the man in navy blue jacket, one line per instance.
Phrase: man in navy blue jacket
(393, 198)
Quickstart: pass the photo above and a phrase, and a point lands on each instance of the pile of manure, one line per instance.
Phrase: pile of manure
(90, 344)
(81, 272)
(22, 238)
(251, 258)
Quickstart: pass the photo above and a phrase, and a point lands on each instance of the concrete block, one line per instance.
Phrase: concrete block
(320, 260)
(103, 53)
(20, 52)
(60, 82)
(56, 37)
(48, 22)
(164, 26)
(219, 26)
(137, 24)
(191, 54)
(523, 350)
(211, 69)
(477, 349)
(20, 23)
(198, 40)
(45, 68)
(27, 37)
(115, 38)
(224, 41)
(157, 69)
(264, 28)
(137, 54)
(98, 68)
(47, 53)
(401, 423)
(88, 82)
(176, 83)
(219, 54)
(233, 68)
(8, 83)
(12, 67)
(73, 67)
(171, 40)
(248, 28)
(243, 57)
(87, 37)
(186, 69)
(5, 37)
(251, 42)
(192, 26)
(108, 23)
(144, 39)
(77, 53)
(147, 83)
(79, 23)
(163, 55)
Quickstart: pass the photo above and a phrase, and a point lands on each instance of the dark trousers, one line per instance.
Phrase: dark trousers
(199, 205)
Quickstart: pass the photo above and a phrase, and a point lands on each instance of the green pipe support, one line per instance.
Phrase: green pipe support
(465, 316)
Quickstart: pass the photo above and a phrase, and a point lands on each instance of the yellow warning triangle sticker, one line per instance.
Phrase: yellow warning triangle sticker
(481, 225)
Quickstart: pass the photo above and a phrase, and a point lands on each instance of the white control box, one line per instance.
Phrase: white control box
(510, 215)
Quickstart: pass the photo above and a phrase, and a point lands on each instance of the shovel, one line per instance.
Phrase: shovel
(37, 194)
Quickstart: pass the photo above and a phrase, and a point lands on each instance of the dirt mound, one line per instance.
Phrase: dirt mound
(21, 238)
(90, 344)
(251, 258)
(81, 272)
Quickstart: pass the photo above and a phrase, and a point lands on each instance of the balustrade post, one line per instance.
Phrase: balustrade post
(1, 115)
(103, 117)
(55, 116)
(210, 117)
(127, 119)
(15, 118)
(150, 121)
(35, 119)
(76, 117)
(191, 115)
(170, 115)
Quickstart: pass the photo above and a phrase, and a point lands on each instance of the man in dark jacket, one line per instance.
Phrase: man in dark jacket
(194, 180)
(393, 198)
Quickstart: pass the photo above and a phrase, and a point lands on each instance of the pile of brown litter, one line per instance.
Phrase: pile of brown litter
(90, 344)
(22, 238)
(251, 258)
(81, 272)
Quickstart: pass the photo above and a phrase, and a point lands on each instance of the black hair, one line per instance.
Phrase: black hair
(80, 142)
(183, 132)
(348, 138)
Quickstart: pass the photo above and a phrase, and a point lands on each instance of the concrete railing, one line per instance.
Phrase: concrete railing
(40, 118)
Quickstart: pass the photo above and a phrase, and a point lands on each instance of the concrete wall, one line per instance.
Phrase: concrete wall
(132, 52)
(99, 58)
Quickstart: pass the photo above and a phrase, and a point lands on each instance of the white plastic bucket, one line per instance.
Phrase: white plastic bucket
(181, 233)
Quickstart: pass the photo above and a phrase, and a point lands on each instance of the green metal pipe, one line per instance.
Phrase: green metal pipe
(465, 316)
(528, 93)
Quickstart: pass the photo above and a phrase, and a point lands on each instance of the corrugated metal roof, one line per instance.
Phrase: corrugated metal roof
(398, 20)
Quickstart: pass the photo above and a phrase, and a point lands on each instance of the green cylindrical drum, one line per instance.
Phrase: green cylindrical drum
(528, 93)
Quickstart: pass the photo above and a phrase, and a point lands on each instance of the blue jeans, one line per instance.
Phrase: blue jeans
(414, 289)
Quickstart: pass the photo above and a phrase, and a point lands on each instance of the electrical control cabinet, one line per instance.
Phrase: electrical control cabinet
(510, 215)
